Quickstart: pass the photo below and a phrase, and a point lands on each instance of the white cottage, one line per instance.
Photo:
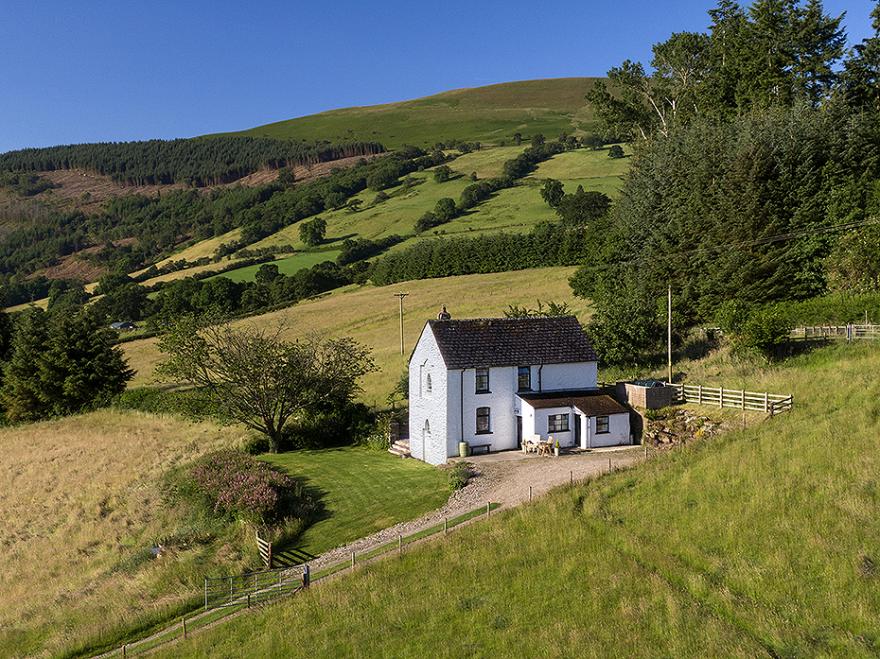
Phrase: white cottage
(492, 381)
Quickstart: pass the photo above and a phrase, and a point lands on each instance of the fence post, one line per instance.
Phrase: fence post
(609, 465)
(124, 651)
(445, 525)
(765, 401)
(699, 394)
(270, 555)
(249, 600)
(646, 451)
(307, 575)
(721, 396)
(206, 593)
(184, 626)
(280, 581)
(487, 509)
(352, 559)
(399, 543)
(530, 492)
(571, 477)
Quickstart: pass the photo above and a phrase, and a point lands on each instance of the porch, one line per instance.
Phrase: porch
(570, 419)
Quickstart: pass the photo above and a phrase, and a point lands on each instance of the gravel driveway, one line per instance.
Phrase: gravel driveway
(500, 478)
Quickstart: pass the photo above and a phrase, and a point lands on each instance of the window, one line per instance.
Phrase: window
(557, 423)
(524, 378)
(483, 426)
(428, 384)
(602, 425)
(482, 381)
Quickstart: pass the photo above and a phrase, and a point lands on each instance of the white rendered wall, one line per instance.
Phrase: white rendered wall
(423, 405)
(618, 426)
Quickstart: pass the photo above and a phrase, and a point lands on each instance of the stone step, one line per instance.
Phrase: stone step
(402, 452)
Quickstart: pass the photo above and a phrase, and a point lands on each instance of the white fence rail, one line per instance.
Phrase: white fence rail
(772, 404)
(848, 332)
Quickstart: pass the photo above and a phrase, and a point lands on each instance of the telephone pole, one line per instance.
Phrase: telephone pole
(669, 333)
(400, 297)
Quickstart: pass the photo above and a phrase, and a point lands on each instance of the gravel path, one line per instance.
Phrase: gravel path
(500, 478)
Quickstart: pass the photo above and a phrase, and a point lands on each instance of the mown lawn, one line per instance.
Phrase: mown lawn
(362, 491)
(762, 542)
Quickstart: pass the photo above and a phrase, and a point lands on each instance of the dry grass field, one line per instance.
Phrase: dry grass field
(370, 315)
(81, 509)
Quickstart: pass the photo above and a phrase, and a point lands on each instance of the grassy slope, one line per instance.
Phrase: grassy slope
(80, 505)
(514, 209)
(369, 314)
(81, 501)
(762, 542)
(488, 114)
(363, 491)
(286, 266)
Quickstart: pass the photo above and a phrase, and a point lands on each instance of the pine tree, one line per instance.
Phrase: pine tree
(80, 365)
(819, 45)
(861, 74)
(21, 392)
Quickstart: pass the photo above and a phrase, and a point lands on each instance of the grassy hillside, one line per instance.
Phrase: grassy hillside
(81, 507)
(488, 114)
(759, 543)
(370, 315)
(286, 266)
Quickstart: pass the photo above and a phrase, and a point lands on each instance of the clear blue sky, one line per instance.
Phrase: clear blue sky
(83, 71)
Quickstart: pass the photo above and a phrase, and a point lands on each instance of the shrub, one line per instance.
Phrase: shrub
(616, 151)
(236, 485)
(460, 475)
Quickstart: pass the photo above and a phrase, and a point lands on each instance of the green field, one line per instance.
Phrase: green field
(369, 314)
(488, 162)
(362, 491)
(286, 266)
(396, 215)
(488, 114)
(761, 542)
(592, 169)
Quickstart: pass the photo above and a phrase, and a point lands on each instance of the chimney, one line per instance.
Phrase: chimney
(443, 315)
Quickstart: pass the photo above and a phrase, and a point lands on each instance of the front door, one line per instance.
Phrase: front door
(577, 430)
(519, 431)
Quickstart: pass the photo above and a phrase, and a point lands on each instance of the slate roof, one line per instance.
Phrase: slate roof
(591, 404)
(484, 342)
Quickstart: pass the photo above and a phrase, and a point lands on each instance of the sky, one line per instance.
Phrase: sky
(90, 71)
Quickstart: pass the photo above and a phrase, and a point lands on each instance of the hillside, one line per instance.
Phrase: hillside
(484, 114)
(370, 315)
(762, 542)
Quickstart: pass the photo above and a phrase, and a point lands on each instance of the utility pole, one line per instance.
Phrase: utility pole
(669, 333)
(400, 297)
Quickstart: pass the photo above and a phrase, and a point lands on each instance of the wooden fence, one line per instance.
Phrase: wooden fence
(848, 332)
(772, 404)
(265, 549)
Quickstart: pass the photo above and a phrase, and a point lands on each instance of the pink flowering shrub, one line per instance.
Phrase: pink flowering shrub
(238, 485)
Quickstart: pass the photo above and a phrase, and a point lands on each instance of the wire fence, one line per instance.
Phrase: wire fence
(252, 587)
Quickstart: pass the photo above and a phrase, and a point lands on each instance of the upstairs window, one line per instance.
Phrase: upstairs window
(524, 378)
(602, 425)
(482, 386)
(483, 421)
(428, 385)
(558, 423)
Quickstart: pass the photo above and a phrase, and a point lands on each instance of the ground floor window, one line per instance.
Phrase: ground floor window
(483, 424)
(602, 425)
(557, 423)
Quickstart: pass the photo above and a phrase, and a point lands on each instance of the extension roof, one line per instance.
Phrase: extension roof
(590, 403)
(484, 342)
